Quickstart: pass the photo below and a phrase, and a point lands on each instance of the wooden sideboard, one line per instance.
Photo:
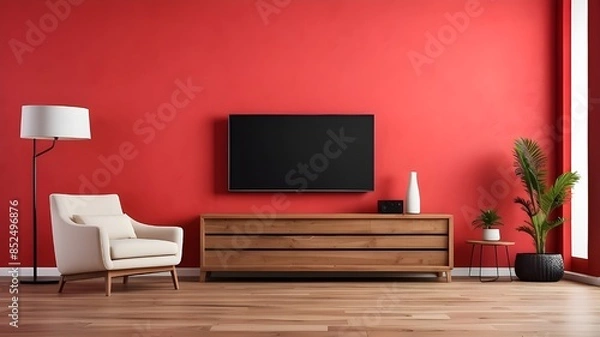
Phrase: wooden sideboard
(327, 242)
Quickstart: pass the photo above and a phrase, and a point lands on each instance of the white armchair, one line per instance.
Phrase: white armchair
(94, 238)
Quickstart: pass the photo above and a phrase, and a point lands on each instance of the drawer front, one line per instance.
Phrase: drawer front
(237, 242)
(252, 226)
(318, 260)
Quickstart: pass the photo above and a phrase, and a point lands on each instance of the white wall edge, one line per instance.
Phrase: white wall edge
(580, 110)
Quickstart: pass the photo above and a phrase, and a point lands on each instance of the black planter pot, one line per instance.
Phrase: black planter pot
(532, 267)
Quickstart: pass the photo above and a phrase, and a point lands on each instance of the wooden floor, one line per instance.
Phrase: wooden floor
(149, 307)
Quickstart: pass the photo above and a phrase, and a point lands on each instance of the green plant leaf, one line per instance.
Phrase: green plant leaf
(559, 192)
(530, 164)
(487, 219)
(529, 230)
(555, 223)
(526, 206)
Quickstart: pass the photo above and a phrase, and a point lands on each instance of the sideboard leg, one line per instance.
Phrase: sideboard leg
(449, 276)
(202, 276)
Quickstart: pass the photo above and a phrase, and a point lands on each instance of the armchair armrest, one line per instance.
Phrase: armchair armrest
(80, 248)
(167, 233)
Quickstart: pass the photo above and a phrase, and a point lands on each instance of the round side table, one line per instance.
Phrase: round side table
(494, 244)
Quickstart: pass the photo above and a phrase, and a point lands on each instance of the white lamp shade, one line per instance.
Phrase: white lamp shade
(55, 121)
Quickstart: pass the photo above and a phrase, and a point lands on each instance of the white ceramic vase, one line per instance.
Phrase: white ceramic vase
(413, 196)
(491, 234)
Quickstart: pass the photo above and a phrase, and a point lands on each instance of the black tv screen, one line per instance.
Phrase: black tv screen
(301, 152)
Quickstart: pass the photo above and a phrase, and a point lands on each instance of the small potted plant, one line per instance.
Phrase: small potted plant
(487, 220)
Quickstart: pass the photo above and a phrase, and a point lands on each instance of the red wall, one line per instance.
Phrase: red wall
(452, 83)
(594, 137)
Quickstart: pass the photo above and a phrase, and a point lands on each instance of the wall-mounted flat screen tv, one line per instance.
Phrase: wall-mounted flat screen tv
(302, 153)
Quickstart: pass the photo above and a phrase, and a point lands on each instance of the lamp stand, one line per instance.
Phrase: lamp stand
(35, 279)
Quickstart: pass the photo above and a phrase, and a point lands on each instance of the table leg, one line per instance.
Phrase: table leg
(509, 266)
(480, 263)
(497, 264)
(492, 279)
(471, 260)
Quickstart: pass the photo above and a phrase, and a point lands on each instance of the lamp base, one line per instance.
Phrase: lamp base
(30, 280)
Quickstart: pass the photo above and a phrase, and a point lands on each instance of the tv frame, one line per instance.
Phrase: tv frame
(298, 190)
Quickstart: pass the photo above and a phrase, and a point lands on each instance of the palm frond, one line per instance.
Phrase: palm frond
(555, 223)
(530, 164)
(526, 206)
(534, 156)
(527, 229)
(559, 192)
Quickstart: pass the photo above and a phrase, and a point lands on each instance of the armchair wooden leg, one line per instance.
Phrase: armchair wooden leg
(108, 283)
(174, 277)
(61, 284)
(125, 279)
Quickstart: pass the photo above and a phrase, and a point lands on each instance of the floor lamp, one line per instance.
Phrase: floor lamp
(51, 122)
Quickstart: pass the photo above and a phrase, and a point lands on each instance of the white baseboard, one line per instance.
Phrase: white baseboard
(486, 271)
(53, 272)
(582, 278)
(195, 272)
(28, 272)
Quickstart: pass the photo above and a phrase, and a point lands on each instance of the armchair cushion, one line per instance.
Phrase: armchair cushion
(136, 248)
(118, 226)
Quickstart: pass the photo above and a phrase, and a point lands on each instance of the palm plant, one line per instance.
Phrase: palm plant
(541, 201)
(487, 219)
